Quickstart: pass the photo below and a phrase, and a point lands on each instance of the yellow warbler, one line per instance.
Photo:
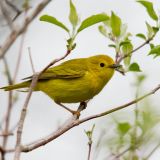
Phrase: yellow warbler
(73, 81)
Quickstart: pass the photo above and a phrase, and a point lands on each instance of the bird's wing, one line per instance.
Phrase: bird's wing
(66, 70)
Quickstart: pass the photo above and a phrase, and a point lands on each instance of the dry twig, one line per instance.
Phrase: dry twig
(74, 121)
(18, 148)
(14, 34)
(9, 108)
(6, 15)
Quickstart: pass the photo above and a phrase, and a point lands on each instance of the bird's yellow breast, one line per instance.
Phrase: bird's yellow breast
(72, 90)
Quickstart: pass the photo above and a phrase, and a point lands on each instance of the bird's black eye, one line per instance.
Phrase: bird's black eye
(102, 64)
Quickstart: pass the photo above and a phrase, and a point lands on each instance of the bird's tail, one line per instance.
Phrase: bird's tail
(16, 86)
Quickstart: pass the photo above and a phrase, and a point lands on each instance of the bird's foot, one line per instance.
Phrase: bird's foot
(77, 113)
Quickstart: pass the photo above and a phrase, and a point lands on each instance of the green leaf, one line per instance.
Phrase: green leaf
(103, 30)
(155, 29)
(123, 128)
(124, 43)
(134, 67)
(149, 7)
(73, 16)
(127, 61)
(150, 30)
(53, 20)
(155, 51)
(115, 24)
(142, 36)
(126, 49)
(135, 157)
(92, 20)
(151, 45)
(141, 78)
(112, 45)
(123, 30)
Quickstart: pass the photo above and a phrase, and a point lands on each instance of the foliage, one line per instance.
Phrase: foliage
(74, 20)
(129, 138)
(136, 137)
(116, 31)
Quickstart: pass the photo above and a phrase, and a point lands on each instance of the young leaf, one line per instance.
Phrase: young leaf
(149, 7)
(134, 67)
(126, 49)
(155, 29)
(151, 45)
(150, 30)
(124, 43)
(53, 20)
(92, 20)
(115, 24)
(103, 30)
(73, 16)
(155, 51)
(141, 78)
(112, 45)
(123, 128)
(123, 30)
(142, 36)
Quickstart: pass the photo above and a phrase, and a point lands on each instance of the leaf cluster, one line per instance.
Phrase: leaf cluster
(77, 25)
(116, 31)
(131, 138)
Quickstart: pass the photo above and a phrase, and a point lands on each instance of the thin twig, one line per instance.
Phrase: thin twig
(136, 49)
(6, 134)
(19, 56)
(9, 108)
(10, 81)
(151, 153)
(18, 148)
(6, 16)
(89, 151)
(2, 153)
(22, 119)
(100, 140)
(76, 122)
(14, 34)
(90, 141)
(121, 154)
(31, 61)
(13, 7)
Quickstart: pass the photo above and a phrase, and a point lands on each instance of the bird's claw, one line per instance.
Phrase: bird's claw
(77, 113)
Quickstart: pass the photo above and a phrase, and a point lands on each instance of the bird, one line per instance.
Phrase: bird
(73, 81)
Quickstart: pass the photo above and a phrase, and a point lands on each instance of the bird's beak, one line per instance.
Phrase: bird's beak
(115, 66)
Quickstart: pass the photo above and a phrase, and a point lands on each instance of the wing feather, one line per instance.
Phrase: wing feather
(67, 70)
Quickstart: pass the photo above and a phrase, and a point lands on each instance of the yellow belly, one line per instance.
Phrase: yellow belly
(70, 90)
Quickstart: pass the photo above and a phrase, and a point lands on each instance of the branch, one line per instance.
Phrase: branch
(6, 134)
(19, 56)
(13, 7)
(90, 141)
(9, 107)
(14, 34)
(18, 148)
(31, 61)
(136, 49)
(6, 15)
(153, 150)
(74, 121)
(22, 119)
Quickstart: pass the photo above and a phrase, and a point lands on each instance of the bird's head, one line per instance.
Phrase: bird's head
(103, 65)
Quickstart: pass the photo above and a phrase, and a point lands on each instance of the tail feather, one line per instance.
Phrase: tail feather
(16, 86)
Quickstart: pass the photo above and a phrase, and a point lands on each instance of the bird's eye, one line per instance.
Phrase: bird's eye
(102, 64)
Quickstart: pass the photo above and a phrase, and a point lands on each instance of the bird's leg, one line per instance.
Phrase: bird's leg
(82, 106)
(68, 109)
